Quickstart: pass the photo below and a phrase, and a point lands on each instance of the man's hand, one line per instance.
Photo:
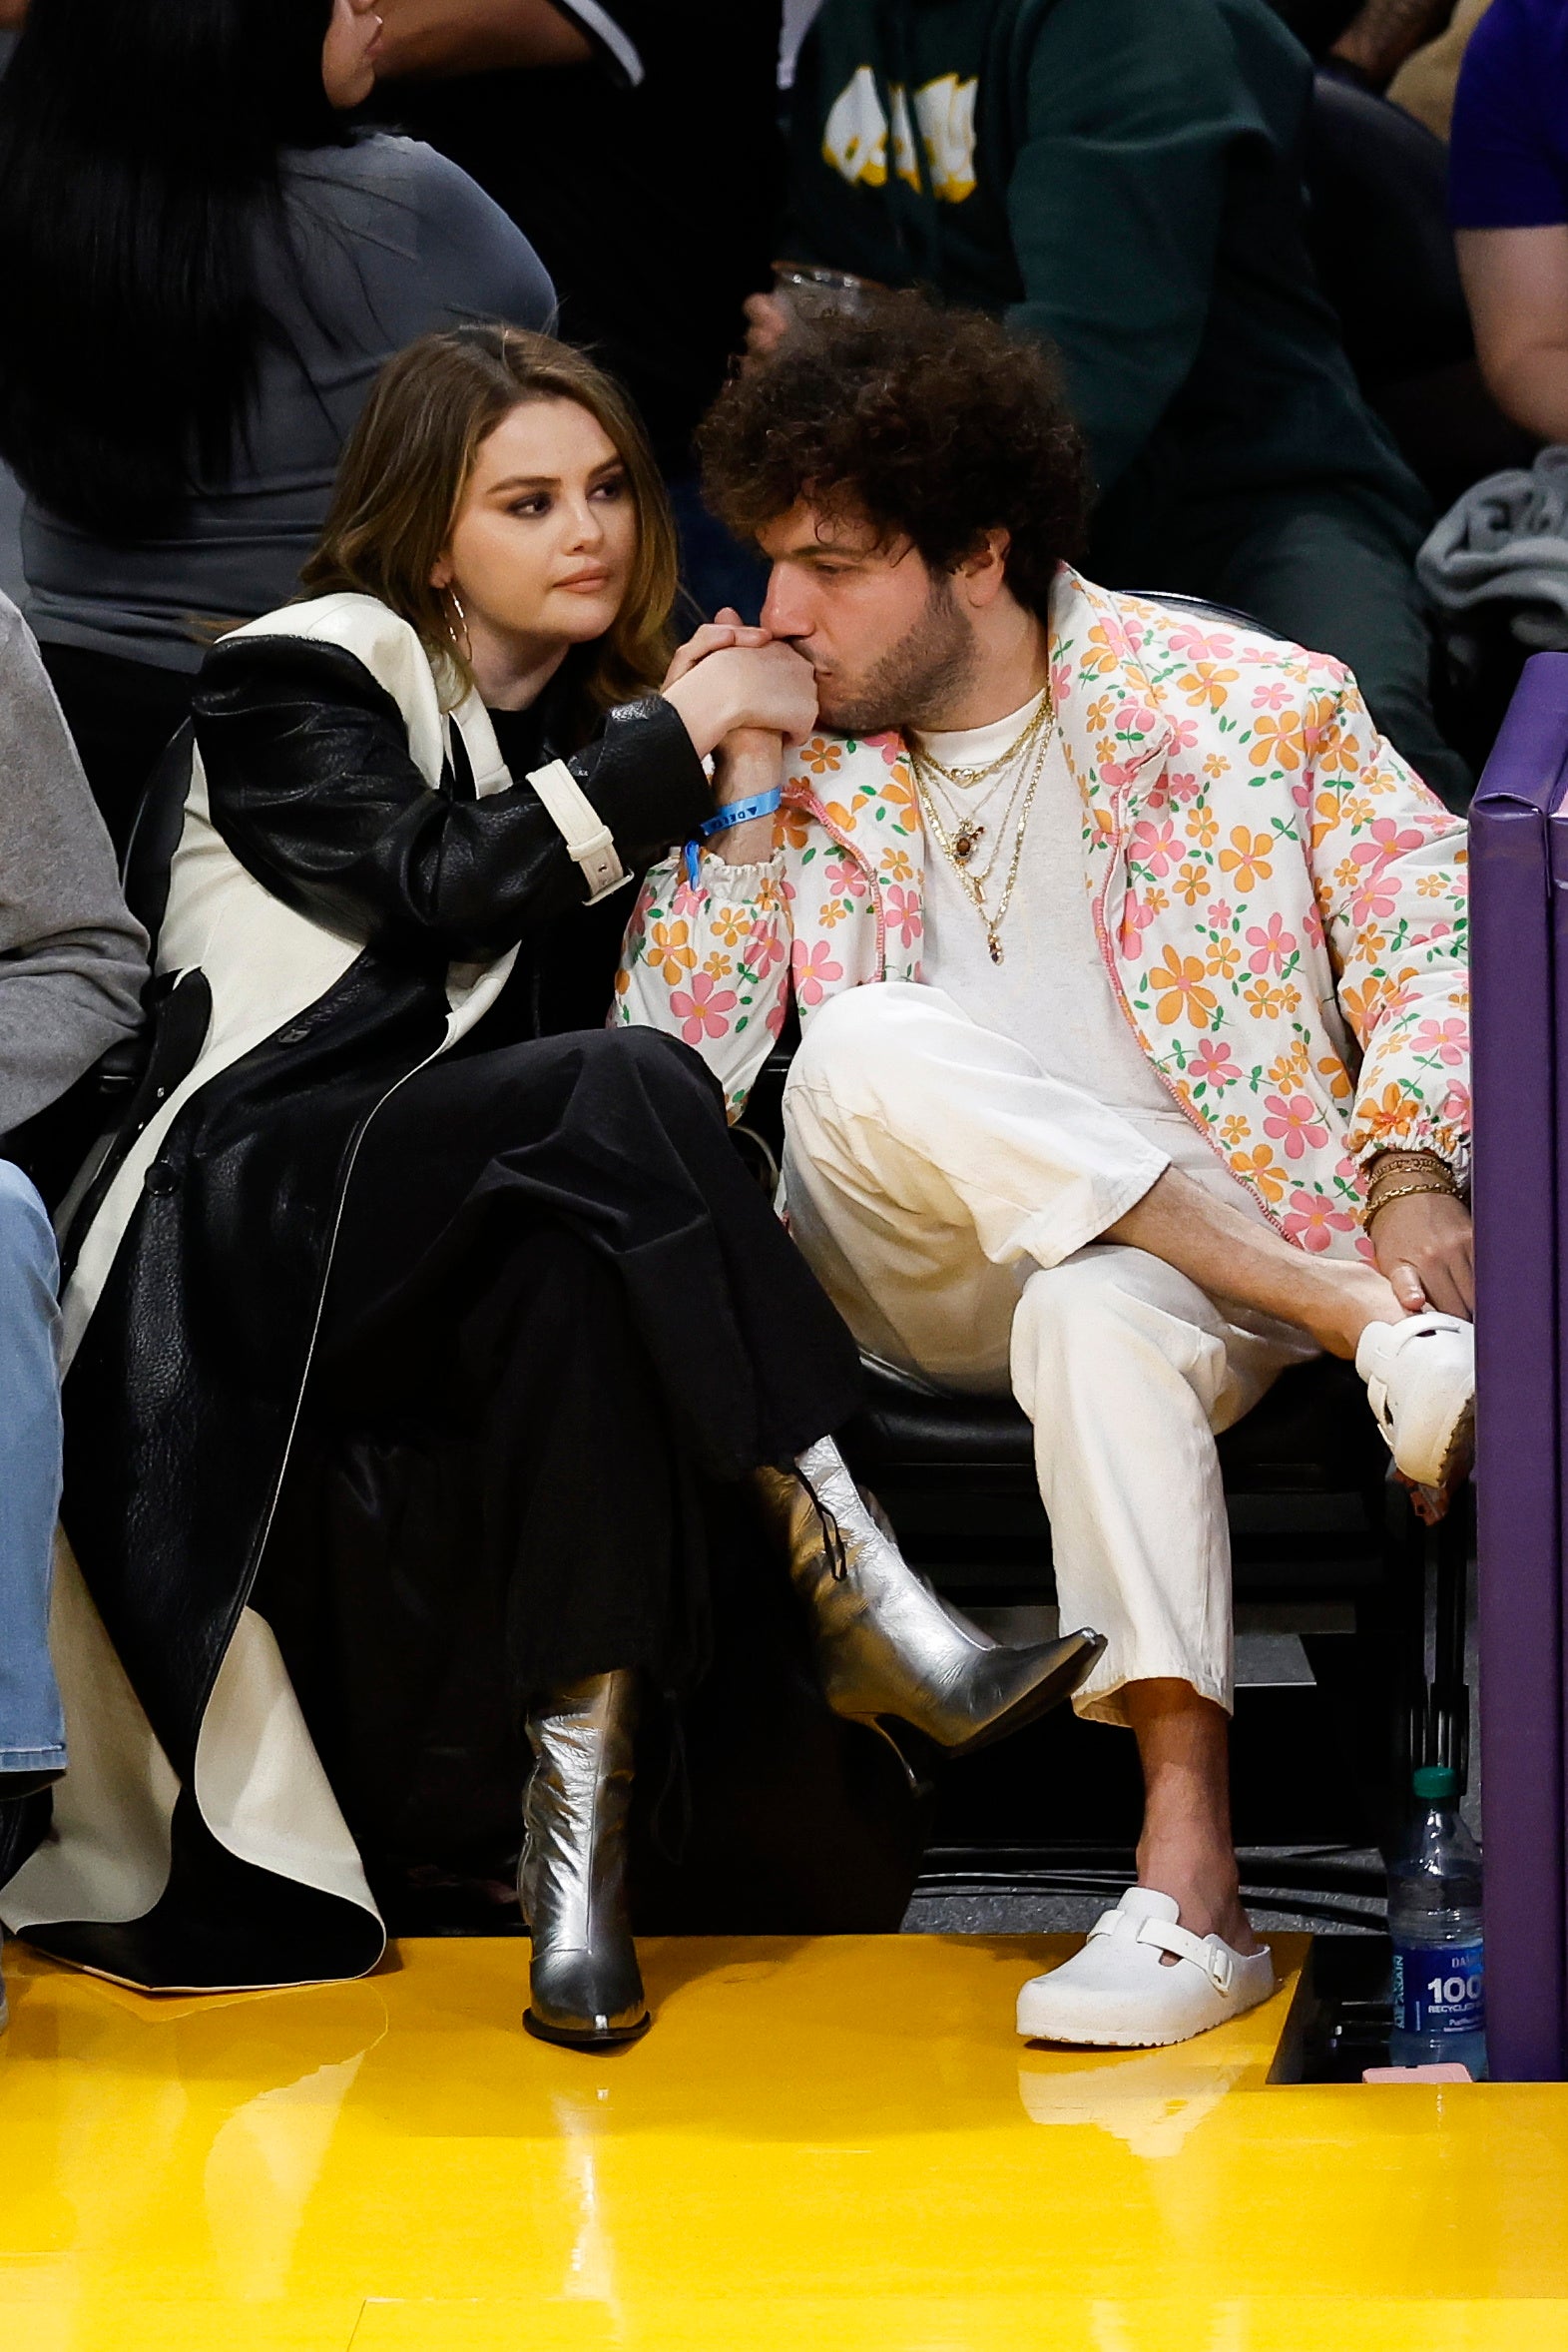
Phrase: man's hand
(1425, 1247)
(1384, 33)
(766, 324)
(474, 37)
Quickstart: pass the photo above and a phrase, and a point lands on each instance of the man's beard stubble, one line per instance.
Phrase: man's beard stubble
(915, 682)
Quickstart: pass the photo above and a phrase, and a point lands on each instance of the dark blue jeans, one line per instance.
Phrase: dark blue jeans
(32, 1728)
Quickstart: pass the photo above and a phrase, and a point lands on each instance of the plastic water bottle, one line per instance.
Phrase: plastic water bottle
(1434, 1923)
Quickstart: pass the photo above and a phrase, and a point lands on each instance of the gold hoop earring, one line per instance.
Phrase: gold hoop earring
(464, 643)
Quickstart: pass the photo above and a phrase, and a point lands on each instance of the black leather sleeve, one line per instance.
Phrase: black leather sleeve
(311, 784)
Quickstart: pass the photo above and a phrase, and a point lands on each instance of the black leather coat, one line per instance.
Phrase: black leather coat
(181, 1397)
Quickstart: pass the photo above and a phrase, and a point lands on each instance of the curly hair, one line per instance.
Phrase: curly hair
(936, 424)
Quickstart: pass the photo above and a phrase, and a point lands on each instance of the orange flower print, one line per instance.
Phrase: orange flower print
(718, 967)
(1291, 1067)
(1261, 1170)
(670, 951)
(1179, 990)
(1264, 1003)
(1203, 829)
(794, 828)
(1233, 1130)
(1215, 764)
(1249, 859)
(832, 912)
(1277, 741)
(1338, 1077)
(896, 867)
(820, 756)
(1432, 886)
(731, 924)
(1192, 884)
(1206, 682)
(1224, 958)
(1097, 715)
(1390, 1113)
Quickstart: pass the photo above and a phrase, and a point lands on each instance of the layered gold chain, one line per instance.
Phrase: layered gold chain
(959, 844)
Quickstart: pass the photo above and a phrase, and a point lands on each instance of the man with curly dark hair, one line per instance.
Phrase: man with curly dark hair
(1123, 179)
(1130, 967)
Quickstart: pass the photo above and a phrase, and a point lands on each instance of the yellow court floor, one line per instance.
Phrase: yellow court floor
(829, 2145)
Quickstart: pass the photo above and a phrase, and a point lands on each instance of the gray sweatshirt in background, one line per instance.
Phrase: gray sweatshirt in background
(72, 961)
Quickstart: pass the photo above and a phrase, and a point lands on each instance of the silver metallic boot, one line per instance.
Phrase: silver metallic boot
(584, 1985)
(886, 1646)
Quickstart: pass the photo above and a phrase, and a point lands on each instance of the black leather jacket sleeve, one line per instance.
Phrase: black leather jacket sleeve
(311, 784)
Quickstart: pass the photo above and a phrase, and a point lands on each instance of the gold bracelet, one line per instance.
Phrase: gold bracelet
(1405, 1192)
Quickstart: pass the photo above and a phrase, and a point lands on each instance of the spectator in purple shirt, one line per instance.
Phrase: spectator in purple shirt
(1509, 199)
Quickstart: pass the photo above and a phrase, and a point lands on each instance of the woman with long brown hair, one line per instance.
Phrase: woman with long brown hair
(425, 1332)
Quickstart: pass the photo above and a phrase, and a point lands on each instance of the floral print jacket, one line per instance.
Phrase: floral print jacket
(1280, 902)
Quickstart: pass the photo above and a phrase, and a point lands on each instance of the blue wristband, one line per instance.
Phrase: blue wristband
(736, 812)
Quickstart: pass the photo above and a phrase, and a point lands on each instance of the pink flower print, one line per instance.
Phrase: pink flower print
(1273, 942)
(891, 745)
(1313, 926)
(1183, 735)
(1061, 682)
(763, 951)
(815, 970)
(1295, 1122)
(1183, 786)
(1214, 1065)
(1272, 697)
(843, 874)
(1116, 773)
(1201, 644)
(1457, 1104)
(901, 908)
(702, 1011)
(1312, 1220)
(1222, 914)
(1374, 895)
(1154, 846)
(1449, 1041)
(1136, 719)
(1136, 919)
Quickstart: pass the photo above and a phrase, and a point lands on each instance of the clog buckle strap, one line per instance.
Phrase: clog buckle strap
(1208, 1953)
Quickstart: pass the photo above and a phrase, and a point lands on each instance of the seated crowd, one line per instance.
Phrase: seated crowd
(442, 1388)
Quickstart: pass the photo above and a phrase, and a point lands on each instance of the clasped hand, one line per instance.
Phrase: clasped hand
(742, 695)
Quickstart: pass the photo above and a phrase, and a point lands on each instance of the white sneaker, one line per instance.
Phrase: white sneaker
(1117, 1994)
(1421, 1383)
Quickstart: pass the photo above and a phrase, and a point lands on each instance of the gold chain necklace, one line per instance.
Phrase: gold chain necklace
(959, 848)
(964, 778)
(964, 828)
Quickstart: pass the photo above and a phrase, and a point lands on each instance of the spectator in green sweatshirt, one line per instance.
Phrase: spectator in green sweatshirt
(1123, 179)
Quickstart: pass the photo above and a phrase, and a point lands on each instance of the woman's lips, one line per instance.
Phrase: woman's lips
(586, 580)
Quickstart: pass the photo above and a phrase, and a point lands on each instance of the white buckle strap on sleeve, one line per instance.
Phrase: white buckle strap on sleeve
(588, 841)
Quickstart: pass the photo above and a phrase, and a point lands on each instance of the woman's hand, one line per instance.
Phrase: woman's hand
(766, 686)
(726, 629)
(766, 324)
(1423, 1245)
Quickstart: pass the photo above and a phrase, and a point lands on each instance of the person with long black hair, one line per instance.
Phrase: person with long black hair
(204, 268)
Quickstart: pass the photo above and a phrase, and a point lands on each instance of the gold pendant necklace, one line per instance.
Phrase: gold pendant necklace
(959, 845)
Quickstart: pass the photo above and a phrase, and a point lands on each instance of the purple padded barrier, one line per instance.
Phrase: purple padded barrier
(1518, 1484)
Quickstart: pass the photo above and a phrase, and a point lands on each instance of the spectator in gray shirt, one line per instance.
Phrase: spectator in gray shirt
(203, 271)
(72, 964)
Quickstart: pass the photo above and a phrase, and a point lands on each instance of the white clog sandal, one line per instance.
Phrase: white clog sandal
(1117, 1994)
(1421, 1383)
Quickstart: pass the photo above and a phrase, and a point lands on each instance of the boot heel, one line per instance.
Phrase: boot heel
(585, 1988)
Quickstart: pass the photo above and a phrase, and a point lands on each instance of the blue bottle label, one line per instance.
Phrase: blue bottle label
(1441, 1989)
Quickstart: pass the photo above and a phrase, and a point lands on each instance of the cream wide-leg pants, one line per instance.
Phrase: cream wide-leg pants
(949, 1196)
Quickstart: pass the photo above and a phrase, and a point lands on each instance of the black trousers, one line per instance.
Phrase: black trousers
(563, 1322)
